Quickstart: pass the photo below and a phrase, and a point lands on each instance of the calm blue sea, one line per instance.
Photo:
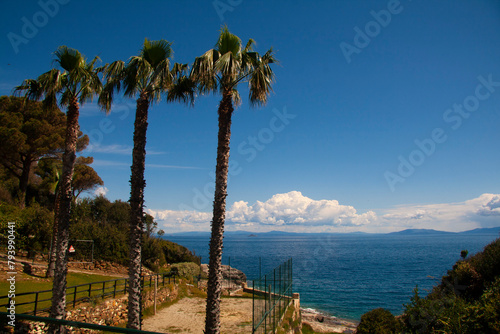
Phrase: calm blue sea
(347, 275)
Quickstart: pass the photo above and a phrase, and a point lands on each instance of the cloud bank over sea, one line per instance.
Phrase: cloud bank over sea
(294, 212)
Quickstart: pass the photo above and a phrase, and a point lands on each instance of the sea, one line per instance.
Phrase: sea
(347, 275)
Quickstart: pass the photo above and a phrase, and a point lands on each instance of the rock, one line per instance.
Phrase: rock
(231, 273)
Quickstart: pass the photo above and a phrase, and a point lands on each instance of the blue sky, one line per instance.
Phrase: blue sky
(384, 116)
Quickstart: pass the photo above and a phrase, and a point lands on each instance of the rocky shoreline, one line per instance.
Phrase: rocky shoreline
(323, 323)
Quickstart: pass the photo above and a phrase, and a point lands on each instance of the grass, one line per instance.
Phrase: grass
(27, 283)
(307, 329)
(184, 291)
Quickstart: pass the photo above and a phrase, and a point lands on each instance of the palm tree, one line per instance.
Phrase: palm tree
(75, 83)
(146, 76)
(221, 70)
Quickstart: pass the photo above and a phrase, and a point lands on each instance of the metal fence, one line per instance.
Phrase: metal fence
(39, 301)
(74, 324)
(272, 293)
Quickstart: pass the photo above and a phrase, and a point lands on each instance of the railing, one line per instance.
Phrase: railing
(76, 324)
(80, 293)
(272, 293)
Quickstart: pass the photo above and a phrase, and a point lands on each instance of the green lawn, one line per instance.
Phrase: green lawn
(26, 283)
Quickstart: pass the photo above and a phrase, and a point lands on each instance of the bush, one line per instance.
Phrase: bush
(484, 315)
(440, 312)
(378, 321)
(186, 269)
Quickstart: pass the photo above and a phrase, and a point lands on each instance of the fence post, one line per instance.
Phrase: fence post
(265, 303)
(90, 289)
(114, 289)
(36, 303)
(156, 288)
(74, 297)
(280, 290)
(274, 298)
(103, 286)
(253, 306)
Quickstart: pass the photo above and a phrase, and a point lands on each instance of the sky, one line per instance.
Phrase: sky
(384, 115)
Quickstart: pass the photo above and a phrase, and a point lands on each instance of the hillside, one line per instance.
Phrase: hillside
(466, 301)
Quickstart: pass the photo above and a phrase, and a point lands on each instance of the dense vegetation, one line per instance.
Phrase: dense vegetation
(29, 175)
(95, 219)
(466, 301)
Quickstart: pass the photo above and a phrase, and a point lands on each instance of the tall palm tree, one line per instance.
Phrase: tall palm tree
(221, 70)
(146, 76)
(75, 83)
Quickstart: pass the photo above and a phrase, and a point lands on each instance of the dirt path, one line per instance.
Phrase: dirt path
(188, 316)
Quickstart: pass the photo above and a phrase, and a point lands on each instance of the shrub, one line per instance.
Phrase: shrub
(186, 269)
(484, 315)
(378, 321)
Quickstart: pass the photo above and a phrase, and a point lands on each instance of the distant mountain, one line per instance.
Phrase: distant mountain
(279, 233)
(483, 231)
(422, 231)
(186, 234)
(413, 231)
(416, 231)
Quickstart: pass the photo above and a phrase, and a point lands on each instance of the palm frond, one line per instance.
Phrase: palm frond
(235, 96)
(249, 46)
(68, 58)
(161, 78)
(228, 42)
(155, 52)
(203, 71)
(183, 90)
(260, 84)
(30, 89)
(229, 69)
(113, 76)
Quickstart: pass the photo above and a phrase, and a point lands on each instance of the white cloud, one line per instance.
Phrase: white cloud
(293, 208)
(101, 191)
(117, 149)
(110, 163)
(178, 221)
(291, 212)
(483, 211)
(295, 212)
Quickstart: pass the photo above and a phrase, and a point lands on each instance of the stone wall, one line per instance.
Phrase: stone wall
(291, 323)
(106, 266)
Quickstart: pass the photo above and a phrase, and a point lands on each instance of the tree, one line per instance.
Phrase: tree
(464, 253)
(221, 70)
(85, 178)
(28, 133)
(378, 321)
(75, 83)
(146, 76)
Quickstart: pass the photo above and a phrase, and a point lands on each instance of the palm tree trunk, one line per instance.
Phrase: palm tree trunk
(53, 248)
(23, 181)
(214, 289)
(61, 269)
(137, 185)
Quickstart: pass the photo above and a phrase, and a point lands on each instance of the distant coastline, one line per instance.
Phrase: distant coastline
(402, 232)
